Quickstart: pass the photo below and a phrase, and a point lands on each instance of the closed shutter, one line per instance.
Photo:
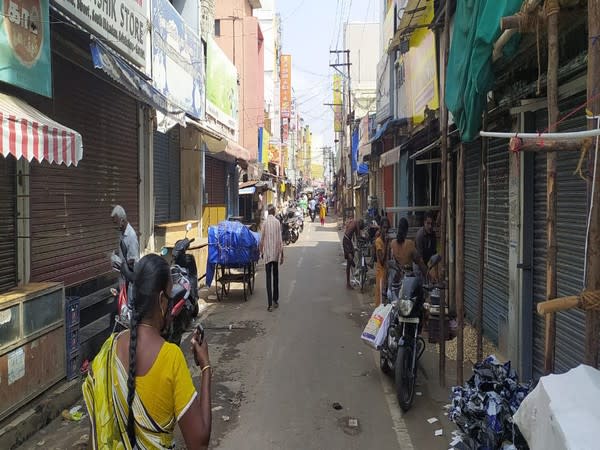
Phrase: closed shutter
(216, 178)
(571, 221)
(8, 214)
(472, 226)
(167, 178)
(496, 257)
(72, 234)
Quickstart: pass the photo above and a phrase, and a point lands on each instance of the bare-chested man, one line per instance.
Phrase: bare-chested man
(353, 227)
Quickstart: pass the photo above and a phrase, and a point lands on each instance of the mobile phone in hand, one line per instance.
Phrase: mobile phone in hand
(200, 330)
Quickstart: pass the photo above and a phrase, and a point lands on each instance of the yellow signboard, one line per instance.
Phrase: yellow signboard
(337, 103)
(265, 148)
(422, 68)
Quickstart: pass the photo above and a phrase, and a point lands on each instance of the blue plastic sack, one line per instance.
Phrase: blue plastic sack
(230, 244)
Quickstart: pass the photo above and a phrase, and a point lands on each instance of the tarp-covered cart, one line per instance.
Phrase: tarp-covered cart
(232, 257)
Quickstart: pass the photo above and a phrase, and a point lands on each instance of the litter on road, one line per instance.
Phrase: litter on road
(439, 432)
(432, 420)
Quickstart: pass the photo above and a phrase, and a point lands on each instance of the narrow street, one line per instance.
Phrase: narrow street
(278, 374)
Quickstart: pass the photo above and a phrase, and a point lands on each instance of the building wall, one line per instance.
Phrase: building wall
(239, 39)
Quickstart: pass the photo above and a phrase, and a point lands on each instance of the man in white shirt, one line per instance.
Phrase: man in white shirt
(271, 249)
(312, 204)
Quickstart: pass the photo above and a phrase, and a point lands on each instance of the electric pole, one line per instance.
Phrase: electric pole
(349, 115)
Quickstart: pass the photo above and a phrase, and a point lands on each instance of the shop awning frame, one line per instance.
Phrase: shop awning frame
(425, 149)
(27, 133)
(390, 157)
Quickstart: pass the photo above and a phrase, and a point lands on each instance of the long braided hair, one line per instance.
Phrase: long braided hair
(151, 278)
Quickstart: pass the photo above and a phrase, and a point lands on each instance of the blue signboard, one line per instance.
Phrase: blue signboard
(177, 60)
(25, 45)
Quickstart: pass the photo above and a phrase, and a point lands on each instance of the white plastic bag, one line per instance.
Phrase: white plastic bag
(375, 332)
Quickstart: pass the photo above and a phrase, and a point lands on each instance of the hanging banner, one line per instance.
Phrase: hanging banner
(177, 59)
(337, 103)
(421, 71)
(285, 77)
(25, 45)
(274, 155)
(122, 24)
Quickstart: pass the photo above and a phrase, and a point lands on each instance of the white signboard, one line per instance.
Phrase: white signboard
(16, 365)
(121, 24)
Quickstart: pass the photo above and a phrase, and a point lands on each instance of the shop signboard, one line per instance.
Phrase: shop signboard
(25, 45)
(221, 86)
(285, 76)
(266, 138)
(177, 60)
(337, 103)
(122, 24)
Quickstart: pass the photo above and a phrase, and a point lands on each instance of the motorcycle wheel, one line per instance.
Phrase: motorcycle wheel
(405, 381)
(195, 309)
(294, 237)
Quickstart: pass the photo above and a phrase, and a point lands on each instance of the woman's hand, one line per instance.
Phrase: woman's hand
(200, 351)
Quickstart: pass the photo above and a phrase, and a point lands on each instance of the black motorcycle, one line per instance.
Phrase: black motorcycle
(287, 220)
(404, 346)
(184, 275)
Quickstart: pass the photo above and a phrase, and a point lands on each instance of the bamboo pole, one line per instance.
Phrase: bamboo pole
(552, 10)
(445, 41)
(460, 261)
(482, 225)
(517, 144)
(592, 320)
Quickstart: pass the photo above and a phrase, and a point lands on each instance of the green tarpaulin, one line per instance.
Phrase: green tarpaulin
(469, 74)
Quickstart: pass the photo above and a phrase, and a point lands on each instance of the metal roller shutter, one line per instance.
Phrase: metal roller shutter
(8, 214)
(167, 178)
(72, 234)
(496, 259)
(216, 177)
(571, 223)
(472, 226)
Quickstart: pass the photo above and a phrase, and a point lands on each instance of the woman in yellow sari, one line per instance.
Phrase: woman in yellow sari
(139, 386)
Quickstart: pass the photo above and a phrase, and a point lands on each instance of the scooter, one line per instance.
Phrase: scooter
(404, 346)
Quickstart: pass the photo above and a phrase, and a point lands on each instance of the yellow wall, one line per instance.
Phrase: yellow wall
(212, 215)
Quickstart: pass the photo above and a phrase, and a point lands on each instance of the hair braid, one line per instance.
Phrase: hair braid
(135, 318)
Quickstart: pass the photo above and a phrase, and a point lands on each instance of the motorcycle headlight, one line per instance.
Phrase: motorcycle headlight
(405, 305)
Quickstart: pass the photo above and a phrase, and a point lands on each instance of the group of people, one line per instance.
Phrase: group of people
(403, 250)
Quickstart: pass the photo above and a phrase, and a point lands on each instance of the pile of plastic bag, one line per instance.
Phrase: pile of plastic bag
(230, 244)
(484, 406)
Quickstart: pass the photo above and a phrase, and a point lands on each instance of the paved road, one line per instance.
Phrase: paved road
(277, 374)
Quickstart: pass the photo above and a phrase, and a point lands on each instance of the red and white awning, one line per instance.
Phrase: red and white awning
(27, 133)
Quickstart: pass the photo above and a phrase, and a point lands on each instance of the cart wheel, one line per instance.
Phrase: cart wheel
(226, 284)
(245, 284)
(251, 277)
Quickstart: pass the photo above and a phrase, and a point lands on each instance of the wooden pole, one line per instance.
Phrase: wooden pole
(445, 41)
(517, 144)
(552, 10)
(460, 261)
(482, 225)
(592, 319)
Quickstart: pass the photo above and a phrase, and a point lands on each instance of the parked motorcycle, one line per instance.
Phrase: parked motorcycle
(184, 274)
(404, 346)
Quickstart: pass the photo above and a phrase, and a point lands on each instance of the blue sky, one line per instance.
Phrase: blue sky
(310, 28)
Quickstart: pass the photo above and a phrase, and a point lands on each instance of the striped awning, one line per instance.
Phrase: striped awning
(27, 133)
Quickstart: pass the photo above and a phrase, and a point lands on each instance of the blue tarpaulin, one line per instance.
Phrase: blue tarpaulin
(354, 149)
(230, 244)
(363, 168)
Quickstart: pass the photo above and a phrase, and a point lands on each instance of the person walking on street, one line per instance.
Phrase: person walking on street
(271, 249)
(139, 386)
(381, 252)
(353, 227)
(322, 212)
(312, 209)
